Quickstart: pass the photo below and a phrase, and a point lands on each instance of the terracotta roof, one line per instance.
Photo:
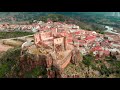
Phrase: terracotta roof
(97, 48)
(69, 40)
(106, 52)
(78, 32)
(90, 37)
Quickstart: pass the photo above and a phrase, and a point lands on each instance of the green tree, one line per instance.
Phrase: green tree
(87, 59)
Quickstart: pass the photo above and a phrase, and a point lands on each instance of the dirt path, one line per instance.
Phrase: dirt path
(4, 47)
(24, 37)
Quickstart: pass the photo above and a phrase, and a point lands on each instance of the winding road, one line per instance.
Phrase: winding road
(6, 47)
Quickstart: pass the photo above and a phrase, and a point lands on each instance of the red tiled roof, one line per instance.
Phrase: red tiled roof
(69, 40)
(81, 41)
(97, 48)
(69, 35)
(78, 32)
(107, 41)
(90, 37)
(106, 52)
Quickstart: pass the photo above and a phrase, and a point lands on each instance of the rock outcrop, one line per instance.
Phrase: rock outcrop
(55, 63)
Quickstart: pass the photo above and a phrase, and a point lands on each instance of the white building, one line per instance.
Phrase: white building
(109, 28)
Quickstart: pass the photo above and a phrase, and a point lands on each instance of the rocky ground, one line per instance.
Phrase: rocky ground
(97, 69)
(6, 44)
(80, 71)
(88, 68)
(84, 69)
(3, 47)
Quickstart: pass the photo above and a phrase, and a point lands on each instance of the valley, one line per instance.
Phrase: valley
(59, 45)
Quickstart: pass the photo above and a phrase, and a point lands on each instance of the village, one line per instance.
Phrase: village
(15, 27)
(56, 44)
(84, 40)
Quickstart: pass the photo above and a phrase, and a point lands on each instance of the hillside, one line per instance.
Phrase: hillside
(87, 20)
(29, 17)
(11, 61)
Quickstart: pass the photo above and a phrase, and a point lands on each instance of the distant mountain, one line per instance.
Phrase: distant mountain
(89, 18)
(31, 14)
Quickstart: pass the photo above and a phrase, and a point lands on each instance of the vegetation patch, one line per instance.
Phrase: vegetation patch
(36, 72)
(87, 59)
(10, 66)
(5, 35)
(9, 63)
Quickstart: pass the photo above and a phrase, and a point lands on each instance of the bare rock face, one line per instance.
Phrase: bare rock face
(94, 74)
(106, 64)
(40, 77)
(49, 61)
(32, 58)
(89, 73)
(112, 76)
(51, 73)
(38, 56)
(117, 57)
(76, 57)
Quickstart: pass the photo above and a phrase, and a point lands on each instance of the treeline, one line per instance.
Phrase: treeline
(69, 20)
(53, 17)
(5, 35)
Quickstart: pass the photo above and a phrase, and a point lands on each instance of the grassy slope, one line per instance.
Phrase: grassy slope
(9, 66)
(4, 35)
(9, 62)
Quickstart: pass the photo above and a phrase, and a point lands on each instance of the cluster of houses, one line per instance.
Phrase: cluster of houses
(14, 27)
(84, 40)
(65, 43)
(23, 27)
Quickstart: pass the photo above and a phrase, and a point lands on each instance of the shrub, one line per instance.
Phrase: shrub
(87, 60)
(9, 63)
(4, 35)
(104, 70)
(36, 72)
